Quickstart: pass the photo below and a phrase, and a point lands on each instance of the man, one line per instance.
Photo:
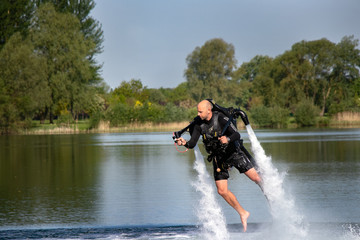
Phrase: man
(223, 153)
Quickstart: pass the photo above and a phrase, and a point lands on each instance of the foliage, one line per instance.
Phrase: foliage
(129, 92)
(48, 71)
(261, 115)
(15, 18)
(319, 70)
(269, 117)
(209, 69)
(306, 113)
(132, 102)
(58, 40)
(311, 79)
(23, 90)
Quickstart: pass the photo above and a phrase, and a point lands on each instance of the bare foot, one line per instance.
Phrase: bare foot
(244, 218)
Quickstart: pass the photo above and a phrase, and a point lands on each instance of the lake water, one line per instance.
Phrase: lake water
(138, 186)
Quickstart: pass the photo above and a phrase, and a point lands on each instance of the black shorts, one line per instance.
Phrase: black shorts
(239, 160)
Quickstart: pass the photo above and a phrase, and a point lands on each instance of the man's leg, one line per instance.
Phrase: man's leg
(253, 175)
(222, 188)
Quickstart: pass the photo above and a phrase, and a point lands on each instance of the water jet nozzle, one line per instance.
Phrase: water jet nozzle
(244, 117)
(240, 113)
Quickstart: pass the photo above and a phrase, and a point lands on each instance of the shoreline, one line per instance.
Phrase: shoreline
(105, 128)
(151, 127)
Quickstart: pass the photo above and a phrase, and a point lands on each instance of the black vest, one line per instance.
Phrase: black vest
(210, 133)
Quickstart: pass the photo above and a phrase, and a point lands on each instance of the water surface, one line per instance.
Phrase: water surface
(137, 183)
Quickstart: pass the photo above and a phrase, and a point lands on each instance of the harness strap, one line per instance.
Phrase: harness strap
(215, 121)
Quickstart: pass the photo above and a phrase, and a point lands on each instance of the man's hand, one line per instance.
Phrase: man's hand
(181, 141)
(223, 140)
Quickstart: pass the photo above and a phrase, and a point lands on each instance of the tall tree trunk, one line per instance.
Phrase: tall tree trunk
(324, 102)
(43, 115)
(51, 117)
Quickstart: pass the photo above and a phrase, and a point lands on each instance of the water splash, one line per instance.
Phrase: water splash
(209, 212)
(286, 219)
(352, 233)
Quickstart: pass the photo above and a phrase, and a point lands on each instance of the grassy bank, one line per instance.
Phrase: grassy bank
(104, 127)
(345, 119)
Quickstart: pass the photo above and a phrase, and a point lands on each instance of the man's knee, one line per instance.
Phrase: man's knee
(222, 191)
(253, 175)
(221, 188)
(256, 178)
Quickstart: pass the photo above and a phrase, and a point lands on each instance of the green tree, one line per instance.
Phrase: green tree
(180, 96)
(306, 113)
(58, 39)
(254, 79)
(344, 77)
(23, 86)
(320, 71)
(129, 93)
(248, 71)
(209, 69)
(15, 17)
(90, 27)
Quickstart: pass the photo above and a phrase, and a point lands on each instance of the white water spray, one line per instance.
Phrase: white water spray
(209, 212)
(285, 216)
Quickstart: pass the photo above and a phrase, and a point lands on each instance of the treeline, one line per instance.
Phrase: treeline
(48, 72)
(308, 83)
(47, 61)
(313, 78)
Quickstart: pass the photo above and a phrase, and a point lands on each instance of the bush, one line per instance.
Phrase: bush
(269, 117)
(118, 114)
(64, 119)
(95, 119)
(306, 113)
(279, 117)
(8, 119)
(175, 114)
(261, 116)
(154, 113)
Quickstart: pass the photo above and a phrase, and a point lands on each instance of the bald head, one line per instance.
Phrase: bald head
(204, 110)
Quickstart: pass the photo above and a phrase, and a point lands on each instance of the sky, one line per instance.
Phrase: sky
(149, 40)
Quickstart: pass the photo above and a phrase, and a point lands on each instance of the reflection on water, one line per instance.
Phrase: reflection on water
(44, 178)
(133, 179)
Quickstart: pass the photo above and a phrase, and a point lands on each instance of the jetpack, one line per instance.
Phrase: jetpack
(232, 114)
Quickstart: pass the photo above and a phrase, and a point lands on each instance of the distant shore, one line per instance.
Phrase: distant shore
(103, 127)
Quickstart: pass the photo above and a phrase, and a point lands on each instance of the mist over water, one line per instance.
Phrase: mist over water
(209, 212)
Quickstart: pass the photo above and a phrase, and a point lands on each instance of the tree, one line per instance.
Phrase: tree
(81, 9)
(255, 82)
(15, 17)
(130, 92)
(58, 39)
(306, 113)
(209, 69)
(344, 77)
(180, 96)
(23, 86)
(319, 71)
(249, 70)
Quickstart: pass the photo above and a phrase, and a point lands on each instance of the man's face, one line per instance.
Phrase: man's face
(203, 111)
